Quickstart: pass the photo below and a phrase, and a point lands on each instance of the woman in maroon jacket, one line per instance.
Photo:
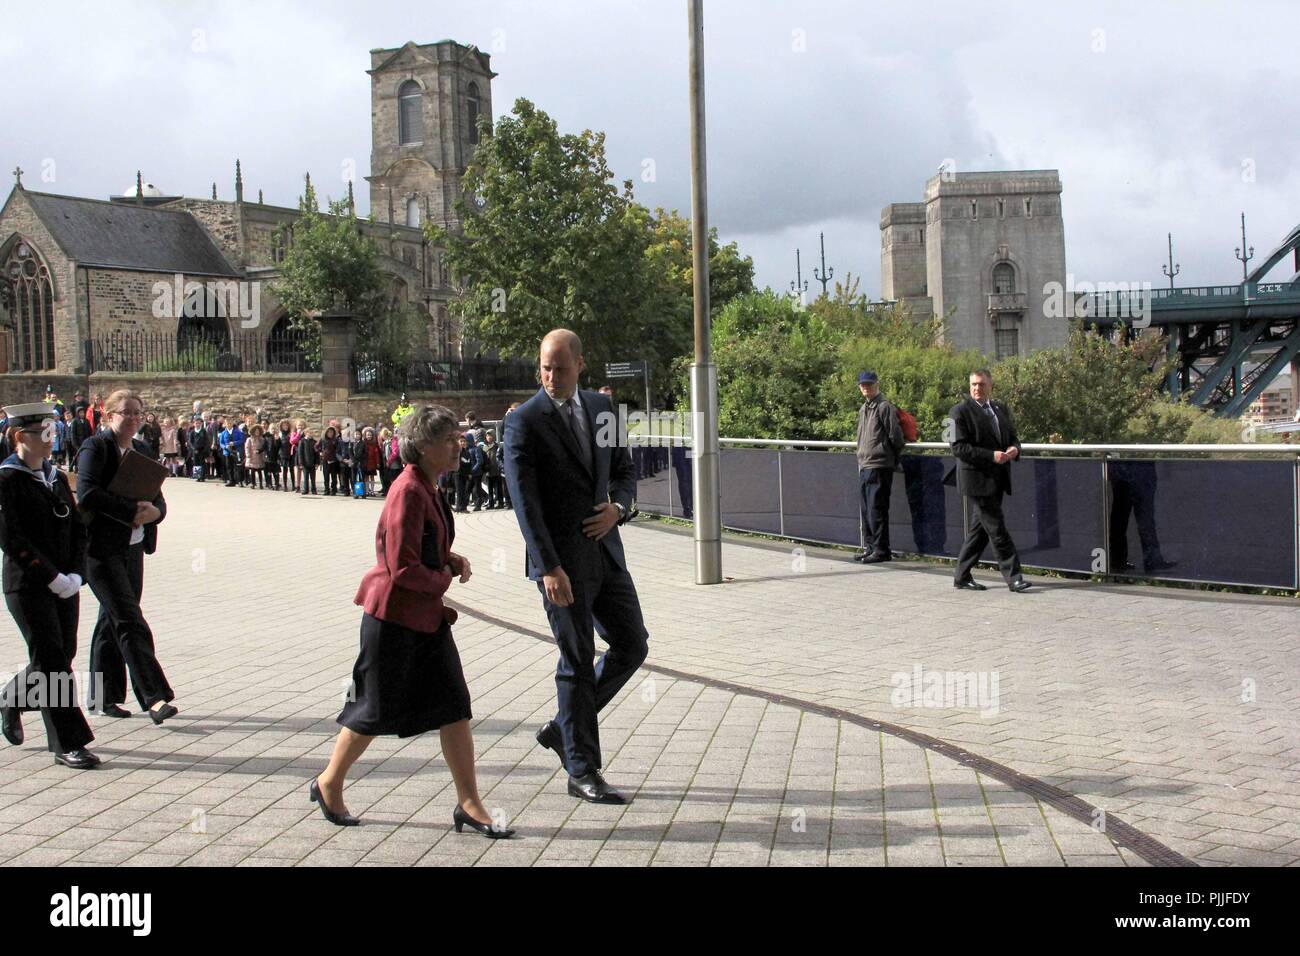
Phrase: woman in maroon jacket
(407, 679)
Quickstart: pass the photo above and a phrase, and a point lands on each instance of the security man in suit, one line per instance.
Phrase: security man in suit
(985, 443)
(121, 533)
(44, 544)
(571, 486)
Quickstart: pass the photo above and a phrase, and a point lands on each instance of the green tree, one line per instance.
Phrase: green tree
(330, 264)
(556, 243)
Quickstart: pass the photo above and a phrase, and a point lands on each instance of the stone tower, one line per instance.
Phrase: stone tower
(984, 247)
(425, 100)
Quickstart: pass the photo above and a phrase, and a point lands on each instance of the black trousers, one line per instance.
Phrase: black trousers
(877, 484)
(462, 491)
(609, 604)
(122, 642)
(308, 473)
(987, 524)
(49, 626)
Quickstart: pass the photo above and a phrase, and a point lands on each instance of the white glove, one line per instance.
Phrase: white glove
(76, 582)
(62, 586)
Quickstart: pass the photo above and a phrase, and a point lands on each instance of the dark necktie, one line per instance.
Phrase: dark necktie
(993, 417)
(579, 433)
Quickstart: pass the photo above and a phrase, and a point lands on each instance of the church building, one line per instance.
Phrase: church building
(80, 278)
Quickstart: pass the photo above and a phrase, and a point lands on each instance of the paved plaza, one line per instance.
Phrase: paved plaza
(809, 711)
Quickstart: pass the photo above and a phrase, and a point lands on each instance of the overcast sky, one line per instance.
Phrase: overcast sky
(1161, 117)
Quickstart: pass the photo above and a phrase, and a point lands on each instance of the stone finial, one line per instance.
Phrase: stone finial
(239, 183)
(214, 190)
(259, 197)
(18, 177)
(139, 188)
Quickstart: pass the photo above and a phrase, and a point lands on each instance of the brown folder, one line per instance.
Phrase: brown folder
(138, 477)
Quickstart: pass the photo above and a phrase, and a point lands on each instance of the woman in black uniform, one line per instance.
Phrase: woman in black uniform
(44, 544)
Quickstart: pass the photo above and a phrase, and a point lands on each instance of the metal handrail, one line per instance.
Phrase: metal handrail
(1036, 447)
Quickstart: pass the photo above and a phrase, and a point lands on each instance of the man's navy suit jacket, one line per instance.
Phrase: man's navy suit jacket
(553, 492)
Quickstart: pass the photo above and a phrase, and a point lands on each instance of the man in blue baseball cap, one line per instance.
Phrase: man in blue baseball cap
(880, 442)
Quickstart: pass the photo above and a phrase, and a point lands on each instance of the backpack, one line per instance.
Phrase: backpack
(907, 422)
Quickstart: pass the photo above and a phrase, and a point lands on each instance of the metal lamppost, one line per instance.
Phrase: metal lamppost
(1249, 254)
(800, 285)
(825, 275)
(705, 484)
(1171, 270)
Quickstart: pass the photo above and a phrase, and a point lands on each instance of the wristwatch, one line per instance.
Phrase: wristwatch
(622, 512)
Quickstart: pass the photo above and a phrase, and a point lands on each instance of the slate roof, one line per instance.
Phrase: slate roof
(125, 236)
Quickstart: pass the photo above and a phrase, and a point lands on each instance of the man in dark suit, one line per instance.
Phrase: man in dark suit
(572, 485)
(985, 443)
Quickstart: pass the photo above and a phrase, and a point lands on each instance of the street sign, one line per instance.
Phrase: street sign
(625, 369)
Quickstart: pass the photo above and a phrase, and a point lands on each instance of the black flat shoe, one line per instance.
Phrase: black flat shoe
(460, 819)
(338, 819)
(78, 759)
(13, 725)
(162, 713)
(549, 736)
(970, 584)
(878, 557)
(111, 710)
(594, 789)
(1019, 586)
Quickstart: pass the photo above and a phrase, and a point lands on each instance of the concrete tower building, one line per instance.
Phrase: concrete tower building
(983, 246)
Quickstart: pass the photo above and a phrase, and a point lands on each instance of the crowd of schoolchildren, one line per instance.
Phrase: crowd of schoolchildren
(253, 452)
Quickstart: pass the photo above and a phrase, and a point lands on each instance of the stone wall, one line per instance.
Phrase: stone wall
(173, 393)
(18, 389)
(223, 223)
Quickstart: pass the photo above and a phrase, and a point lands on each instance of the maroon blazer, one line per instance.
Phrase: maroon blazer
(412, 545)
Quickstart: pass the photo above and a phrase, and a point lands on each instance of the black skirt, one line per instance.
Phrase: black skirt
(405, 682)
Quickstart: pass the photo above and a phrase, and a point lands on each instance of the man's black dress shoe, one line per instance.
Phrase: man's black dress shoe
(549, 736)
(970, 584)
(13, 725)
(162, 713)
(593, 787)
(1019, 585)
(461, 819)
(78, 759)
(878, 557)
(338, 819)
(861, 556)
(110, 710)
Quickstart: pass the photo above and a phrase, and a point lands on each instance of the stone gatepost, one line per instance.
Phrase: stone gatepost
(338, 334)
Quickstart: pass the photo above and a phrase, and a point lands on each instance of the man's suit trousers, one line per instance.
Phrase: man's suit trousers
(609, 604)
(987, 524)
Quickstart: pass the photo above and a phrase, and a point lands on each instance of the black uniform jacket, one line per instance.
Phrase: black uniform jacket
(110, 515)
(41, 531)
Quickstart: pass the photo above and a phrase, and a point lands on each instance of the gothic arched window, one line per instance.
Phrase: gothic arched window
(413, 211)
(31, 307)
(1004, 278)
(472, 105)
(410, 119)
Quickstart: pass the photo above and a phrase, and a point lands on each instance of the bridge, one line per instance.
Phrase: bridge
(1229, 341)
